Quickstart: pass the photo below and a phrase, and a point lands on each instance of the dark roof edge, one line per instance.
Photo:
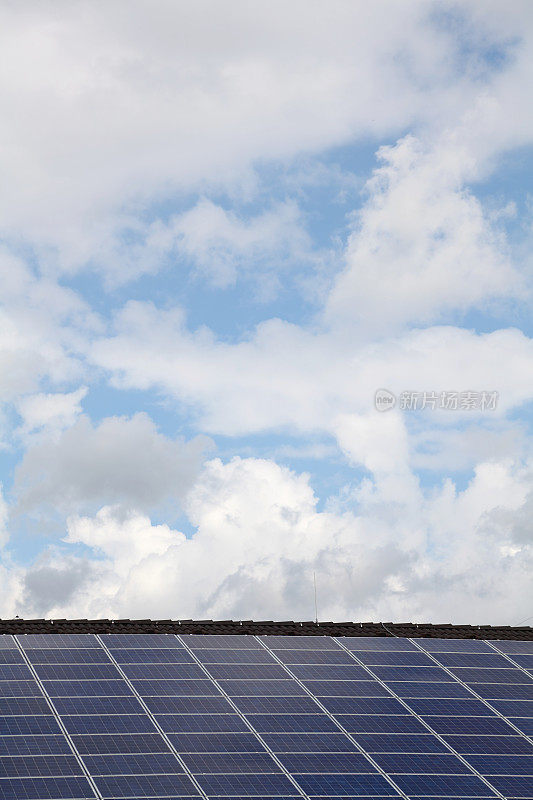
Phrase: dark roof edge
(402, 629)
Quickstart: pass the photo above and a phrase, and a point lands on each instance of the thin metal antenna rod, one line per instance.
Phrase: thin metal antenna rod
(316, 606)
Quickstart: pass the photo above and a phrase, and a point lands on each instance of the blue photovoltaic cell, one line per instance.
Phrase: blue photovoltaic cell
(188, 705)
(11, 657)
(523, 724)
(329, 672)
(484, 660)
(140, 640)
(229, 754)
(33, 641)
(80, 655)
(523, 660)
(277, 705)
(515, 744)
(152, 655)
(326, 762)
(241, 655)
(39, 766)
(470, 725)
(318, 784)
(222, 641)
(314, 656)
(514, 708)
(502, 691)
(276, 688)
(514, 647)
(446, 785)
(421, 689)
(45, 788)
(178, 688)
(280, 723)
(300, 642)
(247, 671)
(19, 689)
(476, 675)
(33, 745)
(393, 658)
(133, 764)
(376, 643)
(513, 786)
(11, 706)
(502, 765)
(400, 743)
(309, 743)
(7, 642)
(23, 726)
(410, 763)
(253, 763)
(454, 645)
(86, 688)
(248, 785)
(76, 672)
(15, 672)
(146, 786)
(450, 708)
(197, 723)
(216, 743)
(426, 674)
(364, 723)
(116, 743)
(363, 705)
(367, 688)
(163, 671)
(109, 723)
(98, 705)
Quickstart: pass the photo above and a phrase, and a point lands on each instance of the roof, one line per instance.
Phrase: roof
(229, 717)
(267, 627)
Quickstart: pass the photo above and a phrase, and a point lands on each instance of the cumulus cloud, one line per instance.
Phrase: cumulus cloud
(42, 325)
(259, 537)
(285, 375)
(49, 414)
(219, 244)
(109, 108)
(117, 122)
(212, 243)
(120, 460)
(422, 245)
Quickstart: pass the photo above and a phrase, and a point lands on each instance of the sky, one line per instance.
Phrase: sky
(265, 310)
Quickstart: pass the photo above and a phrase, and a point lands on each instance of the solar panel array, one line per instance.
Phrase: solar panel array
(124, 716)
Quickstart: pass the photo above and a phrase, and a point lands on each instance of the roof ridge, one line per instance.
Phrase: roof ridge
(265, 627)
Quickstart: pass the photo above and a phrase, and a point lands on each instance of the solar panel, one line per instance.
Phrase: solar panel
(213, 716)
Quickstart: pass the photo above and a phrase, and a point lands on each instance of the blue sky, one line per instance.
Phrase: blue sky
(220, 236)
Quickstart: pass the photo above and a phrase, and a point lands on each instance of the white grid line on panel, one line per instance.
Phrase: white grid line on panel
(424, 723)
(248, 724)
(339, 725)
(509, 658)
(467, 686)
(57, 716)
(153, 719)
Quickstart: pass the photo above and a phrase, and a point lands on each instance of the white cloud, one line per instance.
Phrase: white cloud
(114, 120)
(120, 460)
(211, 242)
(42, 326)
(422, 246)
(284, 375)
(109, 108)
(259, 537)
(49, 414)
(219, 243)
